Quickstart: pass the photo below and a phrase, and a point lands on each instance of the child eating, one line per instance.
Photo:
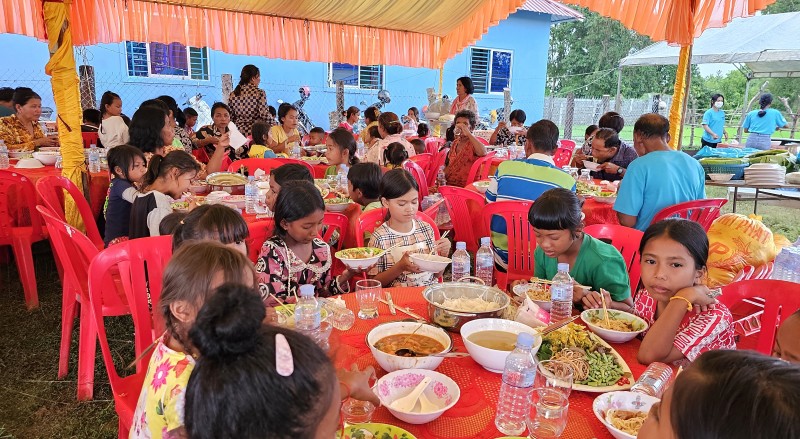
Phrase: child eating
(128, 166)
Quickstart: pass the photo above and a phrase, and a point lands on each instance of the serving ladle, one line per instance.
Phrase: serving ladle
(405, 352)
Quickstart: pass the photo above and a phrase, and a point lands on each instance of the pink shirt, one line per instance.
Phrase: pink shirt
(697, 333)
(468, 103)
(346, 126)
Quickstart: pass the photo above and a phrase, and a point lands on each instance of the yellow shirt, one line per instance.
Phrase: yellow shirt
(17, 138)
(277, 134)
(260, 152)
(364, 136)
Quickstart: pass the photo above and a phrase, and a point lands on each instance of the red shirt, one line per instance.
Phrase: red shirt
(698, 332)
(459, 161)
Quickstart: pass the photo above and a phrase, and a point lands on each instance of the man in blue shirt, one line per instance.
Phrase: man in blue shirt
(714, 122)
(659, 178)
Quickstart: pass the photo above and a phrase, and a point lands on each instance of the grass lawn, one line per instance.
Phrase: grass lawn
(627, 134)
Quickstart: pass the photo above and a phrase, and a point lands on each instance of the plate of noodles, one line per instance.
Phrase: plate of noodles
(359, 258)
(620, 326)
(536, 291)
(597, 367)
(623, 413)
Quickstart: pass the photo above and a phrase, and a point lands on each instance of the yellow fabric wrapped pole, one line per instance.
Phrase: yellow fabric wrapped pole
(682, 80)
(66, 92)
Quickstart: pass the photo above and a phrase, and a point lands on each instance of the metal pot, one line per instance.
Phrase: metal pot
(453, 319)
(231, 188)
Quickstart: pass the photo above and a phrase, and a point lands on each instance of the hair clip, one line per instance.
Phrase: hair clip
(284, 363)
(182, 223)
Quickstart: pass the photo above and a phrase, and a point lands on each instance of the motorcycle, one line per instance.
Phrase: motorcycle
(384, 97)
(304, 123)
(202, 108)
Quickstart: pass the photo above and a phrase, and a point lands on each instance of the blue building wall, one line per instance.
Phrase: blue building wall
(524, 33)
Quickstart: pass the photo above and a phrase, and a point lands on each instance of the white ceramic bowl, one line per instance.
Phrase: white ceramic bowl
(390, 362)
(592, 166)
(606, 200)
(482, 186)
(720, 177)
(358, 264)
(28, 163)
(491, 359)
(442, 391)
(521, 290)
(198, 188)
(46, 157)
(430, 263)
(236, 200)
(336, 207)
(622, 400)
(20, 154)
(609, 335)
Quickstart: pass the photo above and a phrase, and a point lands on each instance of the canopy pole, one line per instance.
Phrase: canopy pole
(682, 80)
(617, 97)
(748, 78)
(441, 81)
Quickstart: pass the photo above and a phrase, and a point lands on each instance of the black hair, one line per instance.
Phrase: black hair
(612, 120)
(466, 81)
(176, 111)
(296, 201)
(450, 133)
(259, 133)
(716, 96)
(609, 136)
(395, 154)
(543, 135)
(272, 111)
(652, 125)
(471, 117)
(123, 156)
(6, 94)
(125, 119)
(590, 130)
(92, 116)
(350, 111)
(396, 183)
(218, 105)
(190, 112)
(169, 223)
(248, 73)
(24, 94)
(414, 111)
(225, 395)
(107, 99)
(556, 209)
(371, 114)
(284, 110)
(317, 130)
(159, 166)
(157, 103)
(419, 145)
(145, 128)
(423, 130)
(765, 101)
(686, 233)
(736, 394)
(345, 140)
(390, 123)
(367, 178)
(216, 222)
(374, 133)
(518, 115)
(289, 172)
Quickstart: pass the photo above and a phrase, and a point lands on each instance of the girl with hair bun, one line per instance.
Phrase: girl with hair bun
(351, 116)
(762, 123)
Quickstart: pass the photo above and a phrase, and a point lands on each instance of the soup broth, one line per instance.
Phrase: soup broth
(497, 340)
(421, 344)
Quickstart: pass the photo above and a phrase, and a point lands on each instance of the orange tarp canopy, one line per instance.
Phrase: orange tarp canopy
(415, 33)
(675, 21)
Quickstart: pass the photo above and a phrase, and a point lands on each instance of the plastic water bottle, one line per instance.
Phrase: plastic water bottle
(360, 153)
(787, 264)
(295, 150)
(441, 180)
(561, 294)
(461, 258)
(339, 316)
(307, 310)
(94, 159)
(484, 262)
(341, 178)
(250, 195)
(4, 163)
(518, 377)
(654, 380)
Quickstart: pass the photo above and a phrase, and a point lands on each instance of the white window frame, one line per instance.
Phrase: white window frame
(150, 74)
(382, 85)
(489, 84)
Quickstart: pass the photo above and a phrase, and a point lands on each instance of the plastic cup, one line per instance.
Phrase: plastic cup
(368, 292)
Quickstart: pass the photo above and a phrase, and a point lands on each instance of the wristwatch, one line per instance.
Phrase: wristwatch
(620, 170)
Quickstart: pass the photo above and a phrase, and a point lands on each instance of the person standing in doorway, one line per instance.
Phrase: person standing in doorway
(714, 122)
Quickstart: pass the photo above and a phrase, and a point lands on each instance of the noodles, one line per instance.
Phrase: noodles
(576, 358)
(538, 291)
(615, 323)
(628, 421)
(474, 304)
(358, 253)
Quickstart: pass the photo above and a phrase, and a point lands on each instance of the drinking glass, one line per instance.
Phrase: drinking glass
(368, 291)
(547, 417)
(555, 375)
(357, 412)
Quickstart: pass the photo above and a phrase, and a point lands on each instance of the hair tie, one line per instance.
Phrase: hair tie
(284, 363)
(182, 223)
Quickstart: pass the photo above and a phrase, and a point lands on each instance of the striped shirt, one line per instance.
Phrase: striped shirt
(522, 180)
(420, 239)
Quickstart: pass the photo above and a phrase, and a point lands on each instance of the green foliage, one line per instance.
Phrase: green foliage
(781, 6)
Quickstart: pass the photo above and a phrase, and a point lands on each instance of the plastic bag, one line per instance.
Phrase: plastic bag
(736, 241)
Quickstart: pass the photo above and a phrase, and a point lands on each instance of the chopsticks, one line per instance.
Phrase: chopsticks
(605, 309)
(392, 309)
(536, 280)
(558, 325)
(405, 311)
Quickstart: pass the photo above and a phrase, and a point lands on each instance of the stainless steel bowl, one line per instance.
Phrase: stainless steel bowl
(229, 187)
(453, 319)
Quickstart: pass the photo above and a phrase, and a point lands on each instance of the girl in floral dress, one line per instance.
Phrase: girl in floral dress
(189, 280)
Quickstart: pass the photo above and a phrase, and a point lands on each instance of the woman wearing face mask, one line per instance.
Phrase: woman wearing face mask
(714, 122)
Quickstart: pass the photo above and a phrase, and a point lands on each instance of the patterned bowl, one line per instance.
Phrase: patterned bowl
(442, 392)
(623, 400)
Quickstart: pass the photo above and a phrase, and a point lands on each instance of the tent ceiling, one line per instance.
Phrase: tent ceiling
(766, 44)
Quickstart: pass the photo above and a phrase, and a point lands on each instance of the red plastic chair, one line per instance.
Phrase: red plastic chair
(703, 212)
(480, 169)
(782, 299)
(627, 241)
(432, 144)
(521, 240)
(20, 227)
(562, 157)
(335, 221)
(419, 175)
(266, 165)
(567, 144)
(259, 232)
(369, 221)
(424, 161)
(745, 274)
(483, 141)
(90, 139)
(51, 190)
(140, 264)
(462, 204)
(764, 271)
(436, 163)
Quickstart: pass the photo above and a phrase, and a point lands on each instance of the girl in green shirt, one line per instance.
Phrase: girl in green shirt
(557, 222)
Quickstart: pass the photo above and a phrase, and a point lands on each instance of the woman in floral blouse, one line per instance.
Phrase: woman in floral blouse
(21, 131)
(248, 103)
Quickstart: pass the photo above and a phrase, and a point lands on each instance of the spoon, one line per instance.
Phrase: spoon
(425, 404)
(405, 352)
(407, 403)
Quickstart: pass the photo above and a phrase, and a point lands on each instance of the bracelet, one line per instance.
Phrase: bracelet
(346, 386)
(689, 304)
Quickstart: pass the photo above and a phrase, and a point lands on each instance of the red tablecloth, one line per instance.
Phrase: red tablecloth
(98, 186)
(473, 415)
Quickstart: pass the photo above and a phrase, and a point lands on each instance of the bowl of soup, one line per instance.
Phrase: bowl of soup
(489, 341)
(385, 339)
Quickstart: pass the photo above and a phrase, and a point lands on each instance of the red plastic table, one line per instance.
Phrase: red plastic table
(98, 186)
(473, 414)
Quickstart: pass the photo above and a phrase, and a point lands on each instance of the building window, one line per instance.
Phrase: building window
(490, 69)
(367, 77)
(172, 60)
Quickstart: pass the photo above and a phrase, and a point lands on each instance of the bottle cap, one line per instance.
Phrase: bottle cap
(486, 240)
(251, 178)
(525, 340)
(563, 266)
(306, 290)
(461, 245)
